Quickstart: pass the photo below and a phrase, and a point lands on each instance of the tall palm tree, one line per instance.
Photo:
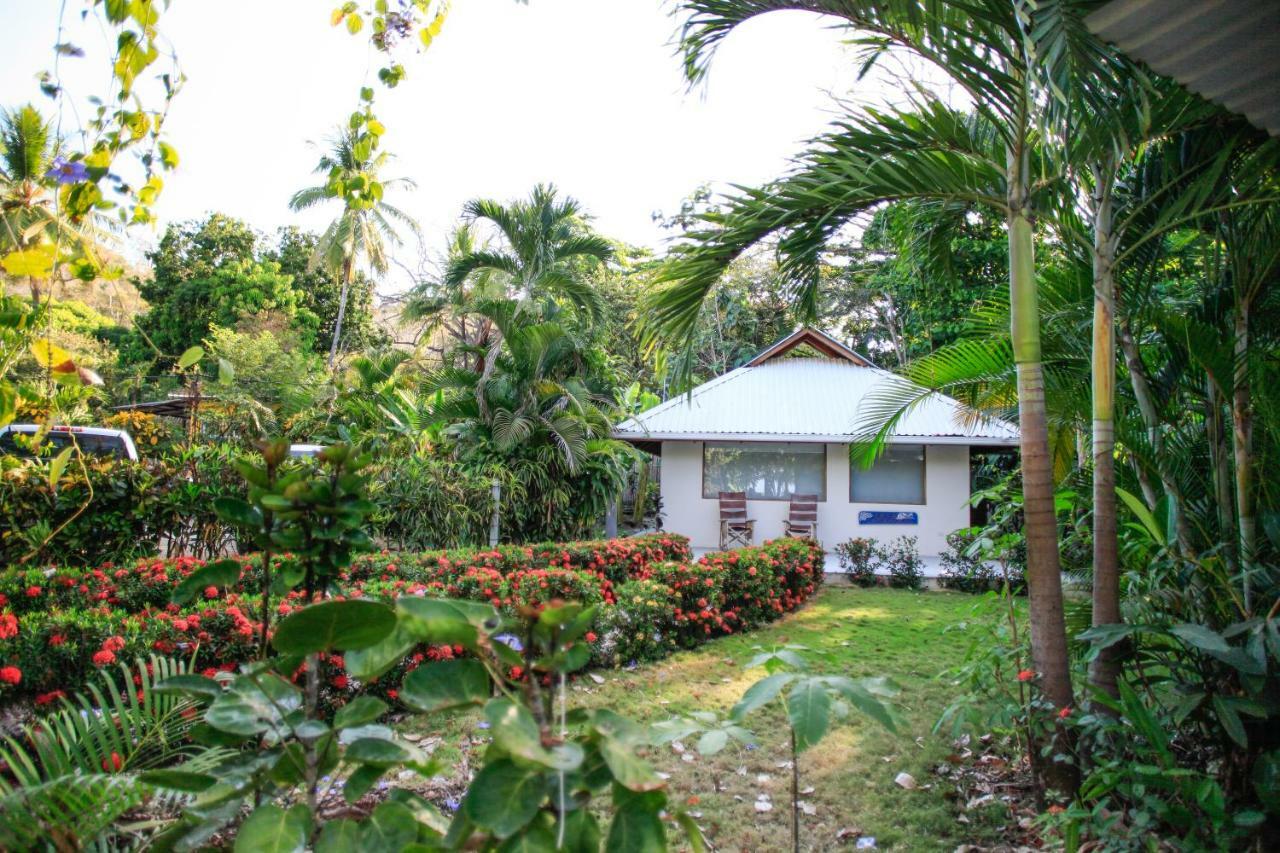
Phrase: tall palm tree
(544, 249)
(993, 158)
(30, 170)
(366, 226)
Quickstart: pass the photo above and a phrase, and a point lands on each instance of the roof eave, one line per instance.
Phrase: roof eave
(813, 439)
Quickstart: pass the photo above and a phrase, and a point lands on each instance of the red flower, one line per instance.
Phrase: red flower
(1064, 713)
(517, 673)
(591, 637)
(113, 644)
(103, 658)
(210, 592)
(340, 682)
(8, 626)
(1026, 675)
(116, 763)
(50, 697)
(393, 694)
(33, 591)
(10, 675)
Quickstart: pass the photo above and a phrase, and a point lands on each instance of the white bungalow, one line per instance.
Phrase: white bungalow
(781, 425)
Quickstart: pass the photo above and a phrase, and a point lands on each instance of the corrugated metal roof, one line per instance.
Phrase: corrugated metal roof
(805, 399)
(1225, 50)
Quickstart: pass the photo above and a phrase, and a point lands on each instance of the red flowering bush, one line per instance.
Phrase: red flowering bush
(650, 604)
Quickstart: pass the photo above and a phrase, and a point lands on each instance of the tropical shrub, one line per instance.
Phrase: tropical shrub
(426, 501)
(960, 570)
(859, 558)
(642, 627)
(696, 599)
(902, 558)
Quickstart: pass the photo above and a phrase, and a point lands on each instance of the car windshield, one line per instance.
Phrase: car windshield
(94, 445)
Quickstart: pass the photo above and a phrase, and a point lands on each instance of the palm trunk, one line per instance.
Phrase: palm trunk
(348, 268)
(1220, 464)
(1242, 448)
(1104, 671)
(1150, 412)
(1044, 573)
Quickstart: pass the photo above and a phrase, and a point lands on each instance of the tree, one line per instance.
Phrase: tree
(543, 245)
(321, 292)
(991, 158)
(31, 170)
(366, 225)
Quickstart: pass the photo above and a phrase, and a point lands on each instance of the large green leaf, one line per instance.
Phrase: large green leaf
(809, 711)
(373, 661)
(357, 712)
(504, 797)
(237, 511)
(271, 829)
(342, 625)
(339, 836)
(446, 684)
(637, 825)
(442, 622)
(761, 693)
(254, 706)
(535, 838)
(389, 829)
(222, 574)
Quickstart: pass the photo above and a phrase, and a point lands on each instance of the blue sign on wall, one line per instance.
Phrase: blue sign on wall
(869, 517)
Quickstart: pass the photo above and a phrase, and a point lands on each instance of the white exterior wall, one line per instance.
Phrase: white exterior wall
(946, 509)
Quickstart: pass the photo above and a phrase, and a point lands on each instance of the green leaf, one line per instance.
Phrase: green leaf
(339, 836)
(190, 357)
(271, 829)
(628, 769)
(692, 832)
(581, 831)
(254, 706)
(354, 624)
(58, 465)
(515, 731)
(446, 684)
(178, 780)
(1266, 780)
(238, 512)
(389, 829)
(809, 711)
(1230, 721)
(373, 661)
(1139, 509)
(357, 712)
(187, 685)
(226, 371)
(504, 797)
(713, 741)
(761, 693)
(441, 622)
(222, 574)
(534, 839)
(637, 826)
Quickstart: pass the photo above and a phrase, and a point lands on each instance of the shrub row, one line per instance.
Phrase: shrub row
(658, 604)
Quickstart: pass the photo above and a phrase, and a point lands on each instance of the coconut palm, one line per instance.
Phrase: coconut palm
(992, 157)
(544, 250)
(31, 168)
(366, 226)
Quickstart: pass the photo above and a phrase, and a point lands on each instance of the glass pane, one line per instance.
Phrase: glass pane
(765, 471)
(897, 477)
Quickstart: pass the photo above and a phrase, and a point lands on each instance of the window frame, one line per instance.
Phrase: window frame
(822, 496)
(924, 479)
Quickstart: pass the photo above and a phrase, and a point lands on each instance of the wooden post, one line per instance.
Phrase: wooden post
(494, 519)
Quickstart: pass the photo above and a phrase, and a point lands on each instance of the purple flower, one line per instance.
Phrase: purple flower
(451, 804)
(511, 641)
(67, 171)
(483, 724)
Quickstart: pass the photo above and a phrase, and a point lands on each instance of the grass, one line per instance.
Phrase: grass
(864, 632)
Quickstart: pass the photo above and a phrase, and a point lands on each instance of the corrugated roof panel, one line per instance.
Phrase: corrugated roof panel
(805, 399)
(1225, 50)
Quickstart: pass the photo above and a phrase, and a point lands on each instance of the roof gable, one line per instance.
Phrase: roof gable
(814, 339)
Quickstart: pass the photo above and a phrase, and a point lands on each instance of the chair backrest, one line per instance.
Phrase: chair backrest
(733, 506)
(804, 509)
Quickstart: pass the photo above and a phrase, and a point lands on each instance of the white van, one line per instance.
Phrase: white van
(94, 441)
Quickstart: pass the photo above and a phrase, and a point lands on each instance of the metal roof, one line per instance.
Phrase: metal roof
(807, 400)
(1225, 50)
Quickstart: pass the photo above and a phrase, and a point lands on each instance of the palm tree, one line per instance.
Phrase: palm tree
(30, 170)
(367, 224)
(544, 252)
(992, 158)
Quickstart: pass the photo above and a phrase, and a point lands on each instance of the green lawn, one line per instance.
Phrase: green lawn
(867, 632)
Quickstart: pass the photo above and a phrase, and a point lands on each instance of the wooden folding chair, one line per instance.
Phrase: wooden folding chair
(735, 527)
(802, 518)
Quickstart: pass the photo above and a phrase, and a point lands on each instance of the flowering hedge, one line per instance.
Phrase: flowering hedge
(58, 626)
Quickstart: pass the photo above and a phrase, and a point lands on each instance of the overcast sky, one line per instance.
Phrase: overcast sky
(586, 94)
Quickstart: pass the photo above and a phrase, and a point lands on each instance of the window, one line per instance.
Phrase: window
(765, 471)
(897, 477)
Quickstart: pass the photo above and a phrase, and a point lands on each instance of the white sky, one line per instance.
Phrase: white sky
(586, 94)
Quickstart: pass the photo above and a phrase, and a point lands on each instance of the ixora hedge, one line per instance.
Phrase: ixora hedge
(57, 626)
